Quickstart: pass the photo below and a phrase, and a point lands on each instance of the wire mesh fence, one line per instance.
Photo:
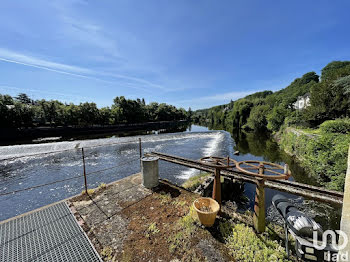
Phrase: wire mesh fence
(33, 180)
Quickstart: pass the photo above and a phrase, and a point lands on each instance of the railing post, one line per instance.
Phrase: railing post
(85, 181)
(140, 150)
(217, 186)
(259, 205)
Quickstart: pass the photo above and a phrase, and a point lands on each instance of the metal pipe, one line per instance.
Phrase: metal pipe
(140, 151)
(85, 180)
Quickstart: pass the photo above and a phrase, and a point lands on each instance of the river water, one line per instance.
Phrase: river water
(28, 165)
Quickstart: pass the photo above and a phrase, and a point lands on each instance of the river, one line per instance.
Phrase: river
(27, 165)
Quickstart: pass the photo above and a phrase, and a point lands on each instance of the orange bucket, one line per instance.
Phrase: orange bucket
(207, 209)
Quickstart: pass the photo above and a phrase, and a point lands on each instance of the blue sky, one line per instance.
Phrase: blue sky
(187, 53)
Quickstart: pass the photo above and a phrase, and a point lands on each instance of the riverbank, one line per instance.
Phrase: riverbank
(26, 135)
(322, 152)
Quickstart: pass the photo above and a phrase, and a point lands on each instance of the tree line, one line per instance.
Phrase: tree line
(267, 110)
(22, 111)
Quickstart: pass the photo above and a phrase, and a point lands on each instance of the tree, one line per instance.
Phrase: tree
(276, 118)
(88, 113)
(105, 116)
(335, 70)
(257, 118)
(189, 113)
(24, 99)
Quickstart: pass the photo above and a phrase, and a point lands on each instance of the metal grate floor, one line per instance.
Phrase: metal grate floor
(50, 234)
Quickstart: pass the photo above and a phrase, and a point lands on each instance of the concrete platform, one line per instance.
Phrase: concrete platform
(127, 222)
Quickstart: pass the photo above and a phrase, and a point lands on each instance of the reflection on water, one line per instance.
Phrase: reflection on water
(121, 154)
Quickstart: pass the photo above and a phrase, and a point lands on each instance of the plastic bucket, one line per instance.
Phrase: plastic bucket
(207, 209)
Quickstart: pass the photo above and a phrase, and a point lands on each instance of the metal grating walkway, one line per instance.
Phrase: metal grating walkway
(50, 234)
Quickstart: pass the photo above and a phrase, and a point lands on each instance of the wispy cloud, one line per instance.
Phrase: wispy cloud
(208, 101)
(76, 71)
(68, 96)
(90, 34)
(226, 97)
(11, 56)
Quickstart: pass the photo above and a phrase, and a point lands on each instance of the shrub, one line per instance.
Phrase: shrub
(341, 126)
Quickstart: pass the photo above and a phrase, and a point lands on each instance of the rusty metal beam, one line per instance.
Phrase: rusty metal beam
(304, 190)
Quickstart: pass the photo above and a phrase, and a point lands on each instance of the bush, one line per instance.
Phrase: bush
(341, 126)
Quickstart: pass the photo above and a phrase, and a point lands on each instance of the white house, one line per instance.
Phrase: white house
(302, 102)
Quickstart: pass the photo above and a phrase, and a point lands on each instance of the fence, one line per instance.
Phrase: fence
(83, 156)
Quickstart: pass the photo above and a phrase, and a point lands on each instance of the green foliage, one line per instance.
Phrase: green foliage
(329, 100)
(276, 117)
(324, 153)
(165, 198)
(193, 182)
(24, 112)
(335, 70)
(152, 229)
(262, 94)
(257, 118)
(186, 226)
(341, 126)
(245, 245)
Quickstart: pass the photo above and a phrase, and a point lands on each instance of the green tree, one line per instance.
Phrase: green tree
(24, 99)
(276, 118)
(257, 118)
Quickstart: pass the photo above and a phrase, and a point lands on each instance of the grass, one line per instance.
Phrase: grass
(107, 253)
(152, 229)
(185, 227)
(179, 203)
(245, 245)
(164, 197)
(193, 182)
(89, 191)
(94, 190)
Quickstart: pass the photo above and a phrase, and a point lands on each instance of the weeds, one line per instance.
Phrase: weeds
(245, 245)
(186, 226)
(107, 253)
(193, 182)
(164, 197)
(89, 191)
(152, 229)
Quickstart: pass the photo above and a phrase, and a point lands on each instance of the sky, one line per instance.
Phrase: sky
(188, 53)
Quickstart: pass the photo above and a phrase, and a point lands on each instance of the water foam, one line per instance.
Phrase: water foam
(210, 149)
(56, 147)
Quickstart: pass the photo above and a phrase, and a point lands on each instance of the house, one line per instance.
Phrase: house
(302, 102)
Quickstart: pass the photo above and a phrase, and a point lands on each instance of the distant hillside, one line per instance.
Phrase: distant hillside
(269, 110)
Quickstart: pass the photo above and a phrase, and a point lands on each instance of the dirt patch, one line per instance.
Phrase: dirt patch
(160, 232)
